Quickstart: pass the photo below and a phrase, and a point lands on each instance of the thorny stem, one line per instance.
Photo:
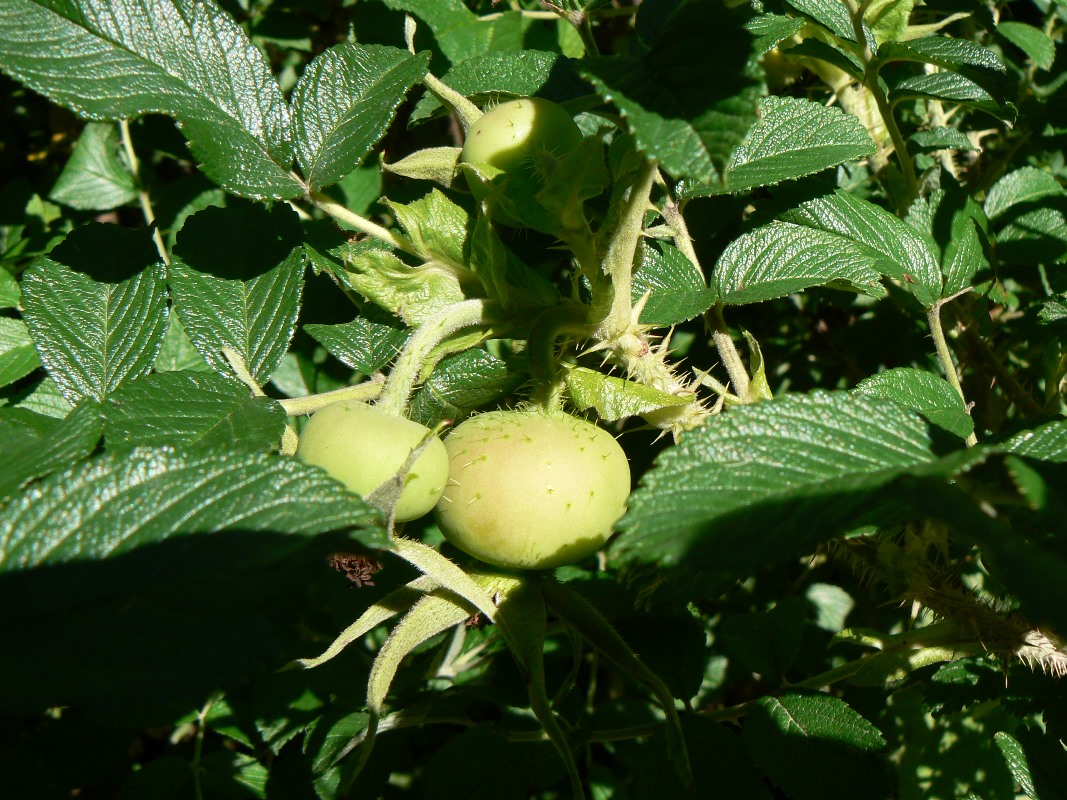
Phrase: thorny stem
(363, 392)
(618, 262)
(720, 334)
(563, 320)
(944, 355)
(362, 224)
(142, 194)
(408, 367)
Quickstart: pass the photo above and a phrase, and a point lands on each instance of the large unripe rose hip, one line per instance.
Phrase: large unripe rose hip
(363, 447)
(528, 490)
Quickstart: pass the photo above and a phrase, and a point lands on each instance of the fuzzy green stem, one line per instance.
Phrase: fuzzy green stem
(420, 346)
(944, 355)
(465, 111)
(363, 392)
(143, 198)
(562, 320)
(618, 263)
(362, 224)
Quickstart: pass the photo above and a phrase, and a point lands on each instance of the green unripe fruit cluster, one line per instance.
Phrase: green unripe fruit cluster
(528, 490)
(363, 447)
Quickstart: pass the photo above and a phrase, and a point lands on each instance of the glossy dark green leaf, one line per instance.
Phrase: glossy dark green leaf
(365, 344)
(344, 103)
(191, 410)
(942, 139)
(236, 281)
(35, 445)
(96, 308)
(675, 288)
(762, 482)
(793, 138)
(951, 87)
(691, 127)
(924, 392)
(460, 384)
(123, 58)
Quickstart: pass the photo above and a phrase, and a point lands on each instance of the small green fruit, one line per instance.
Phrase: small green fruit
(519, 138)
(531, 491)
(363, 447)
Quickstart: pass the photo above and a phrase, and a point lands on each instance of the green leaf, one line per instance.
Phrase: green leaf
(770, 29)
(923, 392)
(43, 397)
(764, 482)
(954, 218)
(969, 58)
(344, 103)
(457, 31)
(96, 307)
(364, 344)
(122, 501)
(1046, 442)
(178, 353)
(788, 734)
(783, 258)
(95, 178)
(942, 139)
(18, 358)
(830, 14)
(888, 19)
(124, 58)
(9, 290)
(795, 137)
(459, 384)
(437, 164)
(437, 228)
(900, 251)
(951, 87)
(412, 293)
(236, 281)
(34, 449)
(1023, 186)
(675, 287)
(1037, 44)
(1016, 759)
(191, 410)
(691, 127)
(522, 73)
(615, 398)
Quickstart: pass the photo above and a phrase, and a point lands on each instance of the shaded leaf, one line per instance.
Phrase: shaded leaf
(459, 384)
(691, 127)
(1037, 44)
(364, 344)
(785, 735)
(124, 58)
(96, 307)
(236, 281)
(191, 410)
